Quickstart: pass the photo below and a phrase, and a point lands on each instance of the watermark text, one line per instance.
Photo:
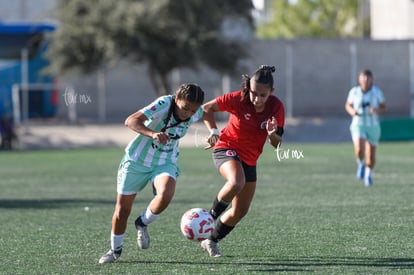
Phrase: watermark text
(71, 97)
(284, 154)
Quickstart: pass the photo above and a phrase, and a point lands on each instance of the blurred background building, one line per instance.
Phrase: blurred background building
(389, 19)
(313, 75)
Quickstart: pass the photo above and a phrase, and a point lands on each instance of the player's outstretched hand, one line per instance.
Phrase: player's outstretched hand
(271, 125)
(212, 138)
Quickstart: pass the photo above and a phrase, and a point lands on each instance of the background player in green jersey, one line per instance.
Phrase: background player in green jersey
(364, 103)
(152, 157)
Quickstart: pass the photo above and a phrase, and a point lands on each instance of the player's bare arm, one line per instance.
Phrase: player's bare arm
(209, 120)
(136, 123)
(350, 109)
(378, 111)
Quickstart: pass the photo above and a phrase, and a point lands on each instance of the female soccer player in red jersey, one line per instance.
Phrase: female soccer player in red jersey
(255, 115)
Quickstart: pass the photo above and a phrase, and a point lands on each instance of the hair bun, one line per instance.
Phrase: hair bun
(267, 68)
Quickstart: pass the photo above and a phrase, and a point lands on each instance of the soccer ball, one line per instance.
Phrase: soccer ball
(197, 224)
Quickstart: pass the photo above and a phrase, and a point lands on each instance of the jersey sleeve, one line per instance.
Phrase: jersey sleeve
(157, 108)
(351, 95)
(229, 102)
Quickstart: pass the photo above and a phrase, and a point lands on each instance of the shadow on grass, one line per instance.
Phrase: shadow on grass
(309, 264)
(325, 262)
(68, 202)
(50, 203)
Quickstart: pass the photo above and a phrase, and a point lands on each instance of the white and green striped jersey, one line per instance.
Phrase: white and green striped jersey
(150, 152)
(362, 102)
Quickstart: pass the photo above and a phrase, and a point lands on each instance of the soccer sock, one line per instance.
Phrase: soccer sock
(117, 241)
(220, 231)
(218, 208)
(360, 161)
(147, 217)
(368, 172)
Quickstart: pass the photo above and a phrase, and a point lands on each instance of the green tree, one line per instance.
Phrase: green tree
(313, 18)
(80, 41)
(164, 34)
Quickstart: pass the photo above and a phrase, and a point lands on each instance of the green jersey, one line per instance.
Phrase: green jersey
(149, 152)
(362, 102)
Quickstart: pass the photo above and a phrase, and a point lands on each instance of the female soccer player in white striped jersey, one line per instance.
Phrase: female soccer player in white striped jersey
(152, 157)
(364, 103)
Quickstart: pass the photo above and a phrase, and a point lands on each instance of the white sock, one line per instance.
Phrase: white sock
(148, 217)
(360, 161)
(117, 241)
(368, 172)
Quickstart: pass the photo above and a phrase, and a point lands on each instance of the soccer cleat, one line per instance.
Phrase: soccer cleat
(211, 247)
(360, 171)
(368, 181)
(143, 239)
(110, 257)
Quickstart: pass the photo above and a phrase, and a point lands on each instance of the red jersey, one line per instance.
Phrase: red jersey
(246, 131)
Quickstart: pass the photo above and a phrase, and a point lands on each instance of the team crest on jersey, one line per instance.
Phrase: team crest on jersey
(263, 124)
(247, 116)
(231, 153)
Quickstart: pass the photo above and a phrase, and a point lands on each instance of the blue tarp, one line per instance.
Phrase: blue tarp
(16, 36)
(25, 28)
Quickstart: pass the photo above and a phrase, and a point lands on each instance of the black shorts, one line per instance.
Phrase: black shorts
(220, 156)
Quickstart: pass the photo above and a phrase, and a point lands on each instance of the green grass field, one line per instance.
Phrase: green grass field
(309, 215)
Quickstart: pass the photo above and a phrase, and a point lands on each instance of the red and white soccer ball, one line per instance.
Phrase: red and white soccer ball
(197, 224)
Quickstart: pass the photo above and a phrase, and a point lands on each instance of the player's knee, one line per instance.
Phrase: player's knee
(237, 182)
(236, 185)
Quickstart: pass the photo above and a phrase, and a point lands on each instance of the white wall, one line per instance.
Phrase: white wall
(392, 19)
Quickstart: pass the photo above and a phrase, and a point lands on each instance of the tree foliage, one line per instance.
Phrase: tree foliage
(164, 34)
(312, 18)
